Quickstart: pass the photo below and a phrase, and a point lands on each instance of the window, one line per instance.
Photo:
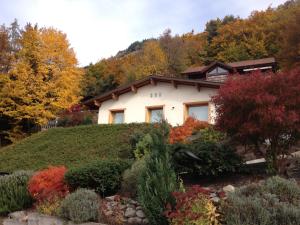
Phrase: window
(218, 71)
(199, 111)
(116, 116)
(154, 114)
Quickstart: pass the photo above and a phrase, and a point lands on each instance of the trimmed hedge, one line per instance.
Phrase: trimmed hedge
(13, 192)
(103, 176)
(72, 147)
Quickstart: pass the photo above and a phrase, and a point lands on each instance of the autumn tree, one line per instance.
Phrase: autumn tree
(252, 38)
(97, 80)
(262, 109)
(289, 54)
(43, 80)
(173, 48)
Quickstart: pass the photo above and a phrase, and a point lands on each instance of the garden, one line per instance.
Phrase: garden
(190, 174)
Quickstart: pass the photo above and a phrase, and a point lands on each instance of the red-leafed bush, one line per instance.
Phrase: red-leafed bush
(48, 184)
(192, 207)
(179, 134)
(261, 108)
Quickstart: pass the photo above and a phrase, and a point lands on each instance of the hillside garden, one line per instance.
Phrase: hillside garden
(157, 174)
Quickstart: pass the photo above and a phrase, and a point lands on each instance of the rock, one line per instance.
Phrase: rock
(130, 212)
(37, 219)
(122, 207)
(135, 220)
(139, 208)
(145, 221)
(13, 222)
(110, 198)
(91, 223)
(133, 202)
(228, 188)
(215, 199)
(140, 214)
(212, 195)
(19, 215)
(130, 206)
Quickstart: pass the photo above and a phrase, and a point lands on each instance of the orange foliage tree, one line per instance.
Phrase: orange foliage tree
(180, 133)
(48, 184)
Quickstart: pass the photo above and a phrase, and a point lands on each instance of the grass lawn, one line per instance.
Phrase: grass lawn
(69, 146)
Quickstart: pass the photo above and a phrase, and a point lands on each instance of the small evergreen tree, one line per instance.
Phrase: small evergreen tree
(158, 180)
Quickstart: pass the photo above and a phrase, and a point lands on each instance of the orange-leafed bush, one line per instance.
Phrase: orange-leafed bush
(179, 134)
(48, 184)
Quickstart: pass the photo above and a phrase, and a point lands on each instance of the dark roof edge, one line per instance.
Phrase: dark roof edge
(147, 80)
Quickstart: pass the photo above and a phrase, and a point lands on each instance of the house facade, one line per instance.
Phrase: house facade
(174, 99)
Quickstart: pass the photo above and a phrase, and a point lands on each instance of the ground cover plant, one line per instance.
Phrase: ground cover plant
(276, 202)
(71, 147)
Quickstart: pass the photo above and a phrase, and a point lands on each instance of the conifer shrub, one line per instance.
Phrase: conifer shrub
(158, 180)
(81, 206)
(143, 147)
(13, 192)
(276, 202)
(103, 176)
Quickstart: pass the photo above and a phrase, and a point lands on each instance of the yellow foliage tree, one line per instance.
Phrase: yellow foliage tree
(152, 60)
(43, 80)
(252, 38)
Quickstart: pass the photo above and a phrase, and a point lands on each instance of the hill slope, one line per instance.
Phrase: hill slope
(69, 146)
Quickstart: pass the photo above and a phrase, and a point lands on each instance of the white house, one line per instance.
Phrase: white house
(174, 99)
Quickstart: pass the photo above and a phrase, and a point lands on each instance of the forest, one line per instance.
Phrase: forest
(40, 76)
(274, 32)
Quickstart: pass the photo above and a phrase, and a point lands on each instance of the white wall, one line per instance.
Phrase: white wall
(135, 103)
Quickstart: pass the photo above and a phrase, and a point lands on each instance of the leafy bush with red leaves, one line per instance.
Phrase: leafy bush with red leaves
(261, 108)
(192, 207)
(48, 184)
(180, 134)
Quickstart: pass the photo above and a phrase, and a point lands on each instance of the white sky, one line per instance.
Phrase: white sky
(100, 28)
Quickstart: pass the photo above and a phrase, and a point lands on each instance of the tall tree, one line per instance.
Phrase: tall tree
(96, 81)
(43, 81)
(262, 109)
(173, 48)
(289, 54)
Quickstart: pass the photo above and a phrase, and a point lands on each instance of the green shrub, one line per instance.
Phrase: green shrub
(131, 177)
(80, 206)
(13, 192)
(158, 180)
(209, 134)
(276, 202)
(102, 176)
(205, 158)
